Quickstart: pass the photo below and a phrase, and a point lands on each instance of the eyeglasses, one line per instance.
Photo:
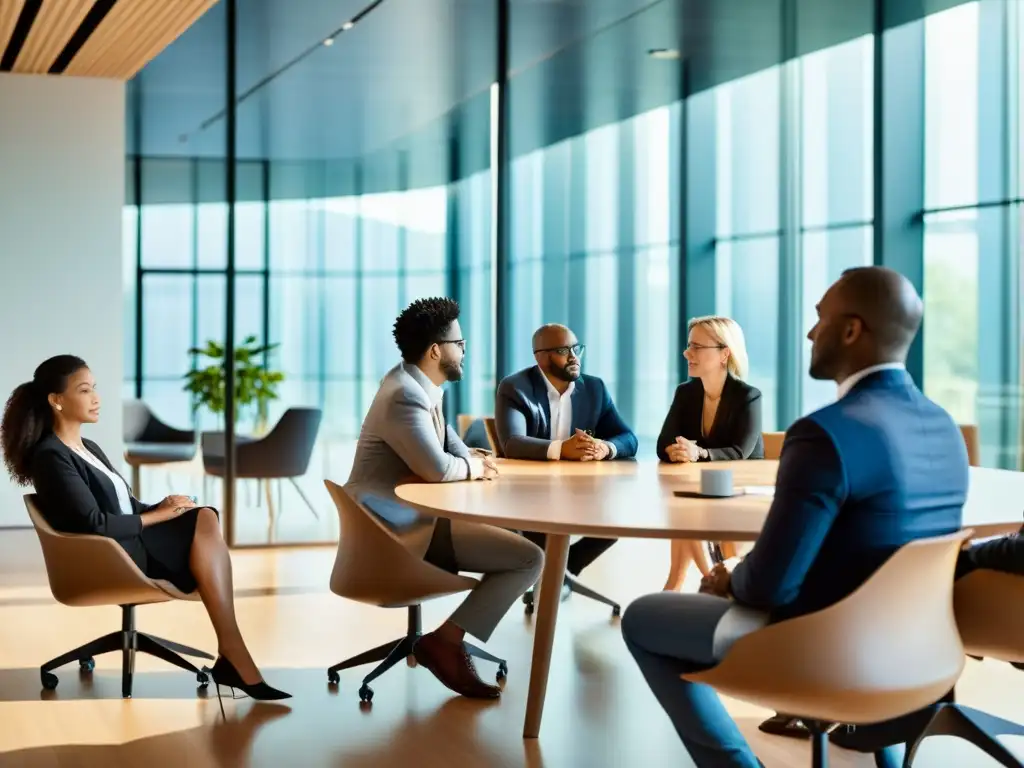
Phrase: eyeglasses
(460, 343)
(695, 347)
(576, 350)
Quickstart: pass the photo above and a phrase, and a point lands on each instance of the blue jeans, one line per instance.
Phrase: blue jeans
(670, 634)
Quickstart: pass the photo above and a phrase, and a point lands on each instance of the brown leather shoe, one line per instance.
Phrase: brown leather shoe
(453, 666)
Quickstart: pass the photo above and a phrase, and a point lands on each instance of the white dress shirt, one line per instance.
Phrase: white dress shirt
(850, 381)
(560, 406)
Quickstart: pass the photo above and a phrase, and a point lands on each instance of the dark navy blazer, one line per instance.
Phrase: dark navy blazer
(857, 480)
(522, 415)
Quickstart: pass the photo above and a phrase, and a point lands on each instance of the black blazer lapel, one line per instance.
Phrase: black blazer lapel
(95, 479)
(725, 408)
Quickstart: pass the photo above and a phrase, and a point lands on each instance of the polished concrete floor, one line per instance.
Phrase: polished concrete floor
(599, 713)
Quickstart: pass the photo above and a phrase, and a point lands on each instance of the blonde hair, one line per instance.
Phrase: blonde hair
(727, 332)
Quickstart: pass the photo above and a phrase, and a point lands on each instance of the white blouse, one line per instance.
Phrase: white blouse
(124, 497)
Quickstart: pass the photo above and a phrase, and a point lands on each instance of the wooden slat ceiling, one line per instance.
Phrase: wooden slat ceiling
(129, 34)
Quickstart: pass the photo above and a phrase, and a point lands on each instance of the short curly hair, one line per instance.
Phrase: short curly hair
(422, 323)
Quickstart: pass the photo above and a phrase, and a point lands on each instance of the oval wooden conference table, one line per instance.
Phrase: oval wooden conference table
(635, 499)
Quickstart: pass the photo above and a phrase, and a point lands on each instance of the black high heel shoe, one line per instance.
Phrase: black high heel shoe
(224, 673)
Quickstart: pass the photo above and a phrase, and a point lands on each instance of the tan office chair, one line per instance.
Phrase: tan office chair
(890, 648)
(492, 436)
(973, 441)
(373, 566)
(87, 570)
(773, 444)
(987, 607)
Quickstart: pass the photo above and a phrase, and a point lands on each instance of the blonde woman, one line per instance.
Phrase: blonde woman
(715, 416)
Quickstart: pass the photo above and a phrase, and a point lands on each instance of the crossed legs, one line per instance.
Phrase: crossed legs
(210, 564)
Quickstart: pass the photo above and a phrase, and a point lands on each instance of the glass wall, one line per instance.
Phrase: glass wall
(592, 248)
(748, 198)
(972, 190)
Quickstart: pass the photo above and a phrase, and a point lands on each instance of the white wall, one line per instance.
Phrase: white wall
(61, 194)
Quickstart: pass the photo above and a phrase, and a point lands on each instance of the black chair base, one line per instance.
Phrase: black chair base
(577, 588)
(979, 728)
(391, 653)
(128, 641)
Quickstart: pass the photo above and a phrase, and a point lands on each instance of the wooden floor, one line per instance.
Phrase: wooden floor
(599, 712)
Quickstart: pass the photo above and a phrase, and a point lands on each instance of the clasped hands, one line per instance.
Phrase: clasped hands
(683, 451)
(584, 447)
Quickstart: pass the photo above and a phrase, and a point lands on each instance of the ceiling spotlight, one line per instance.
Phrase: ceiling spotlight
(329, 42)
(347, 26)
(663, 53)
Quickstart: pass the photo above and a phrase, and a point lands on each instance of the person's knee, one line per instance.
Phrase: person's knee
(207, 521)
(534, 561)
(636, 618)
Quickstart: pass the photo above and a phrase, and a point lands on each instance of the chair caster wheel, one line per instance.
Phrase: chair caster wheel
(366, 693)
(410, 660)
(616, 611)
(333, 678)
(502, 671)
(87, 665)
(49, 680)
(203, 678)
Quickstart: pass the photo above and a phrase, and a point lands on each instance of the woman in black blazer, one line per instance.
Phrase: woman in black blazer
(79, 491)
(715, 416)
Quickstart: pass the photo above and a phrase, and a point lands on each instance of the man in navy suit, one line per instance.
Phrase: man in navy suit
(858, 479)
(554, 412)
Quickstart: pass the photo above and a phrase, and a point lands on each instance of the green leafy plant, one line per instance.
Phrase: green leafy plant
(255, 384)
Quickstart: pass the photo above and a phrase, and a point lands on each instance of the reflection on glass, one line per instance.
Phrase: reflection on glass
(747, 290)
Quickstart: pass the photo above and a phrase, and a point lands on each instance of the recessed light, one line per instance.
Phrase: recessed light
(347, 26)
(663, 53)
(329, 42)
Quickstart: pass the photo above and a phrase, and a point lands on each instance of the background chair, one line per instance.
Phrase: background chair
(373, 567)
(150, 441)
(86, 570)
(889, 649)
(772, 444)
(973, 441)
(988, 612)
(575, 586)
(282, 454)
(492, 436)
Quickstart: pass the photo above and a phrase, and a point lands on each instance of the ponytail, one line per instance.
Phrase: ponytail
(27, 416)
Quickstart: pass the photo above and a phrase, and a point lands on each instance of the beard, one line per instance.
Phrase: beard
(565, 374)
(823, 362)
(452, 371)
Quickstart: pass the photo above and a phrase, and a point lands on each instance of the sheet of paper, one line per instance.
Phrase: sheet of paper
(759, 490)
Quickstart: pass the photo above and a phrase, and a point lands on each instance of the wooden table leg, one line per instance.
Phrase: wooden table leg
(550, 596)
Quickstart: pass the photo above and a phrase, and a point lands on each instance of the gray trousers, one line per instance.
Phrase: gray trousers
(670, 634)
(509, 563)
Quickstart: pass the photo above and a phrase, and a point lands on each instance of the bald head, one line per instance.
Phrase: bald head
(887, 303)
(558, 353)
(552, 335)
(869, 316)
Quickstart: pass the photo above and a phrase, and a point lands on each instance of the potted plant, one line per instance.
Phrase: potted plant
(255, 384)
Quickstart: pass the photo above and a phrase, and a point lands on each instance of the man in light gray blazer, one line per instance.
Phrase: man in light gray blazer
(404, 438)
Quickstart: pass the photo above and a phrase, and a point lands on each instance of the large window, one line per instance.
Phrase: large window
(592, 248)
(972, 242)
(836, 182)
